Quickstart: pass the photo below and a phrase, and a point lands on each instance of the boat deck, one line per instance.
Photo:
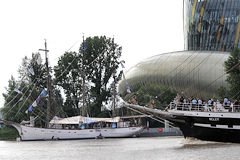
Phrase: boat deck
(204, 107)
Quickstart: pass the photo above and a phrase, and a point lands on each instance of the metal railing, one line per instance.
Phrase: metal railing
(204, 107)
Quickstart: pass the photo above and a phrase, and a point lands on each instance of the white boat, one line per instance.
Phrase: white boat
(72, 128)
(77, 127)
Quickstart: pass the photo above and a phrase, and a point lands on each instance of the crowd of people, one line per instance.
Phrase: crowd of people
(207, 105)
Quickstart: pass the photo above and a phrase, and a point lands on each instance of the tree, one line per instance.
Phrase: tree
(222, 93)
(30, 86)
(150, 95)
(160, 94)
(232, 69)
(68, 76)
(101, 59)
(13, 102)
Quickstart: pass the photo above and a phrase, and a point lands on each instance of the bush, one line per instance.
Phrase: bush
(8, 133)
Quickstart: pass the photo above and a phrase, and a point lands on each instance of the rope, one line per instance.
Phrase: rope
(25, 100)
(21, 96)
(159, 120)
(168, 87)
(68, 49)
(32, 84)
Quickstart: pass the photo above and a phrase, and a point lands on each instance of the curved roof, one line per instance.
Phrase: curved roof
(196, 73)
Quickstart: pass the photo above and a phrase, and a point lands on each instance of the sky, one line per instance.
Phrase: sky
(143, 28)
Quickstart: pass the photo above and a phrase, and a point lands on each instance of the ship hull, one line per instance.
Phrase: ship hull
(222, 126)
(210, 126)
(36, 134)
(211, 134)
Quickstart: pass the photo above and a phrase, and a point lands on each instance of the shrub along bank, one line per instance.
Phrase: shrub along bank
(8, 133)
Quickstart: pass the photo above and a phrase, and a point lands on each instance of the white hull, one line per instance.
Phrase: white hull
(32, 133)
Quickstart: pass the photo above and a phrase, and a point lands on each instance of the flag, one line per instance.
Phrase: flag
(128, 88)
(38, 100)
(39, 60)
(17, 90)
(34, 104)
(84, 46)
(31, 71)
(124, 77)
(43, 93)
(121, 62)
(20, 99)
(30, 108)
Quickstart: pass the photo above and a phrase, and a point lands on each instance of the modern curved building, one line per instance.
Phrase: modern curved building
(211, 31)
(211, 24)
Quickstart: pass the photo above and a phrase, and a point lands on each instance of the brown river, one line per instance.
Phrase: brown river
(151, 148)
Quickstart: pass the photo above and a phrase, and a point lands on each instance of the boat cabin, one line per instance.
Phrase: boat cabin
(80, 122)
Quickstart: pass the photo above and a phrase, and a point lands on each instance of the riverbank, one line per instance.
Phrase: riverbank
(8, 133)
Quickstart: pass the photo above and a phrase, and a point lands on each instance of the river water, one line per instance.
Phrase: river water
(166, 148)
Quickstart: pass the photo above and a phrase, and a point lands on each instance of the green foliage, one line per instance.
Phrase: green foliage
(232, 68)
(68, 76)
(15, 105)
(222, 93)
(105, 114)
(100, 60)
(30, 86)
(162, 95)
(8, 133)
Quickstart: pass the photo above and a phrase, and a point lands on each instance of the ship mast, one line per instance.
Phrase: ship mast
(48, 84)
(114, 93)
(83, 83)
(114, 90)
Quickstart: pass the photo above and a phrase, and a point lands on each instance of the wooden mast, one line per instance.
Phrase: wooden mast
(48, 84)
(114, 94)
(83, 83)
(114, 90)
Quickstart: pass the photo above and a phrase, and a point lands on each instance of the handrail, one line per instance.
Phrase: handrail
(218, 107)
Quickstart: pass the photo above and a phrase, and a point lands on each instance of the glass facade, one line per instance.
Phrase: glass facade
(211, 30)
(196, 73)
(211, 24)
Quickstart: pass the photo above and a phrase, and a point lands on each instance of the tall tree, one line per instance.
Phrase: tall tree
(101, 58)
(232, 69)
(30, 85)
(68, 76)
(13, 102)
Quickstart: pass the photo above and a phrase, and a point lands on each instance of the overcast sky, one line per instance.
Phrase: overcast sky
(142, 27)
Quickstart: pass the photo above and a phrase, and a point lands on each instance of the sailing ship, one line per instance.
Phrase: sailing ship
(78, 127)
(217, 122)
